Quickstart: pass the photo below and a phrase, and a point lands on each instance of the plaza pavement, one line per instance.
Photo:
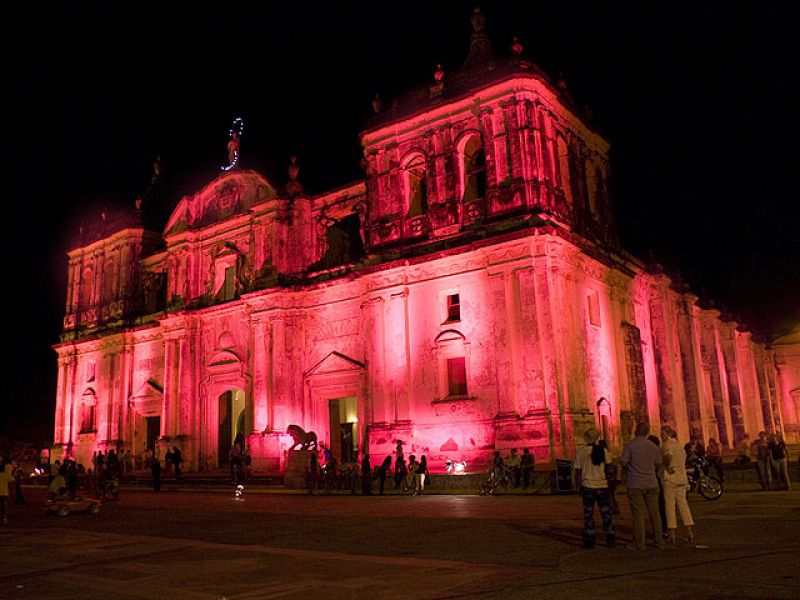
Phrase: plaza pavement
(207, 545)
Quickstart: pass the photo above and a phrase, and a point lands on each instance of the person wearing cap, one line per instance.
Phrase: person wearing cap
(641, 458)
(590, 465)
(675, 484)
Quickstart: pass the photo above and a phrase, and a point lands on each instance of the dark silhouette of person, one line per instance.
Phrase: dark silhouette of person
(366, 476)
(177, 459)
(380, 472)
(312, 476)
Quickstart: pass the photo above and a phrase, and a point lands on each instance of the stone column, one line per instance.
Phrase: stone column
(760, 362)
(260, 368)
(728, 346)
(691, 385)
(709, 347)
(531, 386)
(662, 354)
(551, 363)
(279, 377)
(168, 411)
(374, 333)
(398, 359)
(498, 308)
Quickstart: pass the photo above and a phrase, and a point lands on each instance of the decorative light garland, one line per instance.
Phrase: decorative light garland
(237, 129)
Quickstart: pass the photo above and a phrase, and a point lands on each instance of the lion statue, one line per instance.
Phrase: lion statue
(301, 437)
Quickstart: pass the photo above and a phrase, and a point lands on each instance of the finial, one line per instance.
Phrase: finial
(294, 169)
(138, 203)
(439, 74)
(478, 20)
(516, 46)
(377, 104)
(561, 82)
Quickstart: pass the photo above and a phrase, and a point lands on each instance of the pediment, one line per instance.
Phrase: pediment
(223, 358)
(148, 399)
(335, 362)
(229, 195)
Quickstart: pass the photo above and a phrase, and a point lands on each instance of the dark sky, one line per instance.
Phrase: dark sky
(699, 102)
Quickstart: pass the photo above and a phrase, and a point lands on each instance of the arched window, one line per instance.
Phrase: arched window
(473, 169)
(109, 280)
(86, 416)
(415, 185)
(87, 287)
(453, 364)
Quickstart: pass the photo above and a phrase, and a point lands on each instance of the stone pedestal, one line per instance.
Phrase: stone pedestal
(296, 468)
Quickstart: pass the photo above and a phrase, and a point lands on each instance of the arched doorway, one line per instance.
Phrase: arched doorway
(232, 421)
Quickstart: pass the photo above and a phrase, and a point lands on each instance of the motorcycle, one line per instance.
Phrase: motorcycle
(708, 487)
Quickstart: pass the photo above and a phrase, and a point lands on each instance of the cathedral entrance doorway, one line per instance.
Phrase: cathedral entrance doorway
(344, 428)
(231, 424)
(153, 432)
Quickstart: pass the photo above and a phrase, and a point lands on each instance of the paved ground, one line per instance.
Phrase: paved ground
(206, 546)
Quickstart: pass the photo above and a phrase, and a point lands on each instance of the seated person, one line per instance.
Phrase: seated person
(57, 490)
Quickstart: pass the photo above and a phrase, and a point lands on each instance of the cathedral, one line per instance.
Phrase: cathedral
(468, 295)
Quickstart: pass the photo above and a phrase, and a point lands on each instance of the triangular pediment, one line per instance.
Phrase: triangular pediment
(335, 362)
(229, 195)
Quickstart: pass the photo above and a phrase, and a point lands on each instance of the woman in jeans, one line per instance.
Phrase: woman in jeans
(419, 476)
(590, 462)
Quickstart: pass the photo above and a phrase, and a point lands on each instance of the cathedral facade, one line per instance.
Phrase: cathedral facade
(469, 294)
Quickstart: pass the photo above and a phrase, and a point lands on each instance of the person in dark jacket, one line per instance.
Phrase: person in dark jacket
(380, 472)
(177, 459)
(366, 476)
(312, 476)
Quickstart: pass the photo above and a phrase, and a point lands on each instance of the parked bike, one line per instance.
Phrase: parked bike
(708, 487)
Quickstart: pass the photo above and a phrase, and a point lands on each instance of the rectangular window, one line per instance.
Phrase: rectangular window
(593, 302)
(453, 308)
(456, 376)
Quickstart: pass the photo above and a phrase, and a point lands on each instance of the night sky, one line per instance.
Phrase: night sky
(699, 103)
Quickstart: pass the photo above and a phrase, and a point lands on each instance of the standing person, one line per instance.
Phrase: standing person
(662, 507)
(413, 465)
(420, 475)
(5, 481)
(235, 460)
(714, 458)
(168, 462)
(381, 472)
(527, 464)
(761, 446)
(780, 462)
(642, 458)
(590, 464)
(613, 478)
(17, 474)
(675, 484)
(366, 476)
(72, 477)
(400, 471)
(55, 469)
(743, 448)
(177, 460)
(127, 464)
(513, 462)
(155, 470)
(312, 476)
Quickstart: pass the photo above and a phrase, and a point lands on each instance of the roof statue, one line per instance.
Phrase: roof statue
(480, 48)
(237, 129)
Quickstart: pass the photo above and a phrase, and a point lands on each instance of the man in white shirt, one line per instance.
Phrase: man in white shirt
(675, 484)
